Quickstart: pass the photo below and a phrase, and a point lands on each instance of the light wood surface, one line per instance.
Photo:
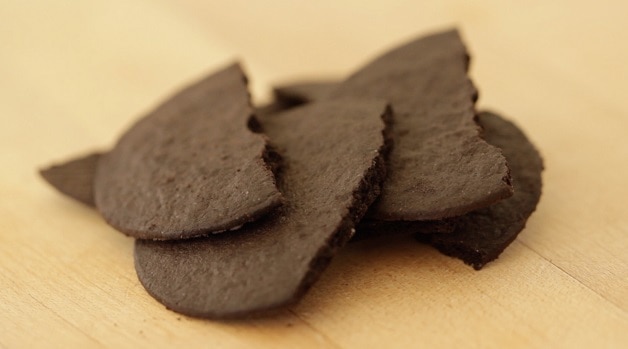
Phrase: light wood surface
(74, 74)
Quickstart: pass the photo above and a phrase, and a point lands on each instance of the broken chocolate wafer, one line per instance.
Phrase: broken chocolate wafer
(303, 92)
(439, 166)
(480, 236)
(189, 168)
(332, 170)
(74, 178)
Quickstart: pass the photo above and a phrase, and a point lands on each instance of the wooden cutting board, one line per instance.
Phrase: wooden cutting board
(75, 74)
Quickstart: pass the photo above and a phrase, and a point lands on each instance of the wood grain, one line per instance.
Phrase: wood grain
(75, 74)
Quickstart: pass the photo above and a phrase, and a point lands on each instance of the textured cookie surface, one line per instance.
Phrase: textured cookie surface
(439, 166)
(480, 236)
(190, 167)
(74, 178)
(331, 172)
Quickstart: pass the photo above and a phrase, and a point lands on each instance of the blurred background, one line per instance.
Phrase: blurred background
(82, 50)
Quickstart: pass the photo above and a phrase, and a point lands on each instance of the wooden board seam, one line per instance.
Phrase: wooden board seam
(622, 311)
(328, 340)
(87, 335)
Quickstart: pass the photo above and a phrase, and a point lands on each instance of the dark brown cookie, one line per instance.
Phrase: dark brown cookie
(333, 165)
(74, 178)
(439, 166)
(304, 92)
(290, 96)
(480, 236)
(371, 228)
(190, 167)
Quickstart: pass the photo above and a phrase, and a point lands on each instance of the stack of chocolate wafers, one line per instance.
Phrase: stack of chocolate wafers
(238, 211)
